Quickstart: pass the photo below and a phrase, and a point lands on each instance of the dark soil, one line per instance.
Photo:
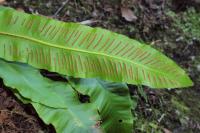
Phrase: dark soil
(166, 108)
(18, 118)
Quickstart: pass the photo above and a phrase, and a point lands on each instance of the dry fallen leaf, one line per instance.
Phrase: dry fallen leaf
(166, 130)
(128, 14)
(2, 2)
(88, 22)
(3, 116)
(20, 9)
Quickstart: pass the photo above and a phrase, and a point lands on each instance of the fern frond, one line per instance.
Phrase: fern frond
(81, 51)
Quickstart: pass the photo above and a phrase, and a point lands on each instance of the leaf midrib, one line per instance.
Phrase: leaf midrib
(78, 50)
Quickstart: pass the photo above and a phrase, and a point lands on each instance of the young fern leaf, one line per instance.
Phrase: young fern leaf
(81, 51)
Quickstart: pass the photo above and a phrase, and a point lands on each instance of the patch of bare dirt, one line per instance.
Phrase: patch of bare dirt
(16, 117)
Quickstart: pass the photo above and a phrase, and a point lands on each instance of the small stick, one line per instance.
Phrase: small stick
(58, 11)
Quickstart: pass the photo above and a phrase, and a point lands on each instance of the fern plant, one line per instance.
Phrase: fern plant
(57, 103)
(81, 52)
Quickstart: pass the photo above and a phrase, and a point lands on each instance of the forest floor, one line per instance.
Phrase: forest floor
(171, 26)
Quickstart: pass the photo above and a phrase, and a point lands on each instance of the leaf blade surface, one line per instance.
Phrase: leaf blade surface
(81, 51)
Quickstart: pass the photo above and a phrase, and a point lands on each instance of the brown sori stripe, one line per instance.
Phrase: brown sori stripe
(106, 48)
(137, 74)
(16, 19)
(57, 33)
(81, 64)
(116, 70)
(43, 56)
(9, 20)
(89, 64)
(143, 74)
(149, 61)
(75, 64)
(100, 65)
(105, 66)
(72, 63)
(165, 80)
(106, 42)
(58, 59)
(83, 40)
(70, 37)
(23, 22)
(31, 55)
(40, 58)
(98, 41)
(136, 54)
(36, 29)
(116, 47)
(94, 66)
(154, 79)
(131, 72)
(36, 56)
(142, 55)
(66, 63)
(121, 70)
(50, 56)
(111, 68)
(93, 38)
(53, 31)
(47, 30)
(30, 24)
(86, 65)
(63, 61)
(149, 77)
(66, 33)
(44, 26)
(145, 57)
(77, 38)
(160, 79)
(125, 69)
(121, 50)
(127, 51)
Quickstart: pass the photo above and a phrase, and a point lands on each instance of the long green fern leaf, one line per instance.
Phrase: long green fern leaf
(112, 101)
(81, 51)
(29, 83)
(108, 109)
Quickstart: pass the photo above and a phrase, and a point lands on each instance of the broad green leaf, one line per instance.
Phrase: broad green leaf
(112, 101)
(109, 106)
(81, 51)
(29, 83)
(78, 118)
(42, 93)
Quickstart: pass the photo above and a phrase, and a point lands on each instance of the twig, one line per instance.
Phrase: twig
(18, 113)
(160, 119)
(89, 22)
(58, 11)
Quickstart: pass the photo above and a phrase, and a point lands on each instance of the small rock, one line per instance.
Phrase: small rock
(128, 14)
(2, 2)
(179, 39)
(192, 58)
(198, 67)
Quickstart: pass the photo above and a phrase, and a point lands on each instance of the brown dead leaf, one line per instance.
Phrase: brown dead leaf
(2, 2)
(128, 14)
(20, 9)
(89, 22)
(166, 130)
(3, 117)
